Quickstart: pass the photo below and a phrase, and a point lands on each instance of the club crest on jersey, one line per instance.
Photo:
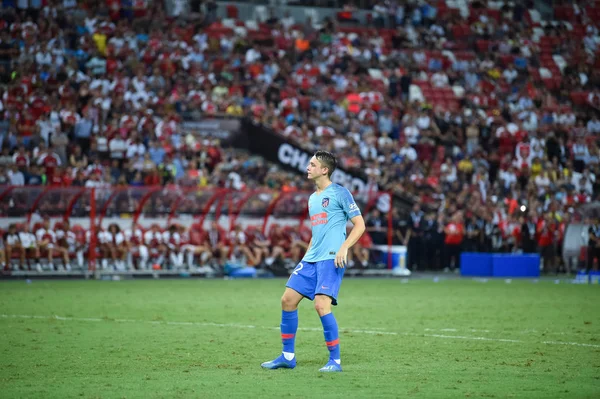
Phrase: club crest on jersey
(325, 202)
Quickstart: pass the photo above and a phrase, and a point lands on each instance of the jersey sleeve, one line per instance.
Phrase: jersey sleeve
(347, 203)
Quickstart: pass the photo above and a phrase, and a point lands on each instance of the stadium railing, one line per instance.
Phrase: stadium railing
(96, 208)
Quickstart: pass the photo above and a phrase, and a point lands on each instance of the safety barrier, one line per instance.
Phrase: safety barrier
(499, 265)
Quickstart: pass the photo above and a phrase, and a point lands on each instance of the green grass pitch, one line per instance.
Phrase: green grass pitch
(207, 338)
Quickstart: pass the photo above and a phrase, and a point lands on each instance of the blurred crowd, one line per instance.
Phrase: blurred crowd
(486, 114)
(63, 247)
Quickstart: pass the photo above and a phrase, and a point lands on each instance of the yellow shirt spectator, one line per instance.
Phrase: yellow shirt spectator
(100, 40)
(494, 73)
(234, 110)
(465, 166)
(536, 168)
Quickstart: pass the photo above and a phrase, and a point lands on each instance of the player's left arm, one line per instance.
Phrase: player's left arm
(353, 213)
(357, 231)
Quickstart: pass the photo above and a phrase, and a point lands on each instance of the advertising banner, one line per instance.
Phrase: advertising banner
(227, 130)
(276, 148)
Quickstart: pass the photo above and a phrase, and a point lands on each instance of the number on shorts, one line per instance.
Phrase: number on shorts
(298, 268)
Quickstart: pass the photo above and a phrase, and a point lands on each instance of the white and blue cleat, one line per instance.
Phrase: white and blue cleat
(331, 367)
(280, 363)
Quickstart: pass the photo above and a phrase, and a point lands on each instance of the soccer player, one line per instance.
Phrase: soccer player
(319, 275)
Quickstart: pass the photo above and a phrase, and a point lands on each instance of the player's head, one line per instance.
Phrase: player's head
(323, 163)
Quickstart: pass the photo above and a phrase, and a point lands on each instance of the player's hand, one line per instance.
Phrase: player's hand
(341, 258)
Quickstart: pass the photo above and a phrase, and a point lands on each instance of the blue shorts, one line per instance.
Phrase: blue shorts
(313, 278)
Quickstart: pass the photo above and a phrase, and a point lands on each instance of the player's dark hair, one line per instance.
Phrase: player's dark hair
(328, 160)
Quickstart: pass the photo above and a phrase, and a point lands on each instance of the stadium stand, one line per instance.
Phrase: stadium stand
(485, 113)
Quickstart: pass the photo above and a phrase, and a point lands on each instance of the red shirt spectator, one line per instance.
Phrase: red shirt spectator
(454, 233)
(545, 233)
(50, 160)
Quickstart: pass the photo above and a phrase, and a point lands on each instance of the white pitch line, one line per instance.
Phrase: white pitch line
(523, 332)
(247, 326)
(570, 343)
(471, 338)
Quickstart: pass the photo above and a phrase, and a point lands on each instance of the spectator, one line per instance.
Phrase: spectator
(377, 228)
(415, 237)
(15, 176)
(454, 232)
(459, 145)
(546, 231)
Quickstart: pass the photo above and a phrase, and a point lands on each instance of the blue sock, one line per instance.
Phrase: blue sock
(330, 330)
(289, 325)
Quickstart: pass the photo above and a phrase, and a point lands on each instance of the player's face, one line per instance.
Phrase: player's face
(314, 169)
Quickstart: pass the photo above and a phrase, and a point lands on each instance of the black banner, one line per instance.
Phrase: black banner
(276, 148)
(227, 130)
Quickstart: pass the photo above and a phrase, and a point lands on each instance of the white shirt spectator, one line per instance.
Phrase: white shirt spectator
(235, 181)
(27, 239)
(384, 141)
(423, 122)
(566, 119)
(580, 152)
(508, 177)
(420, 57)
(373, 171)
(593, 97)
(102, 144)
(510, 75)
(530, 120)
(43, 232)
(581, 182)
(591, 43)
(69, 237)
(12, 239)
(114, 238)
(538, 146)
(252, 56)
(46, 129)
(412, 134)
(439, 79)
(368, 152)
(134, 236)
(524, 103)
(139, 84)
(593, 125)
(450, 172)
(152, 238)
(94, 183)
(103, 84)
(117, 147)
(409, 153)
(341, 142)
(135, 149)
(287, 22)
(542, 181)
(16, 178)
(171, 240)
(117, 41)
(43, 58)
(437, 30)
